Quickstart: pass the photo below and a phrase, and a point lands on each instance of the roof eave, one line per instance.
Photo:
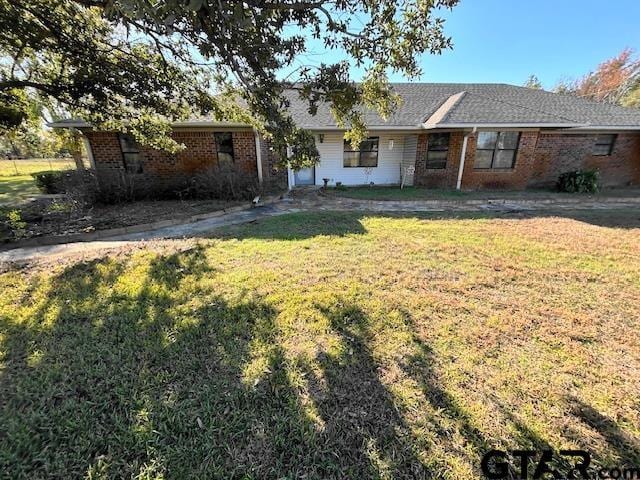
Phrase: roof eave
(186, 124)
(609, 127)
(432, 126)
(371, 128)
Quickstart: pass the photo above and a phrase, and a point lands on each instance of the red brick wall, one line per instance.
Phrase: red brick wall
(472, 179)
(514, 179)
(438, 178)
(163, 168)
(540, 160)
(557, 153)
(106, 150)
(272, 172)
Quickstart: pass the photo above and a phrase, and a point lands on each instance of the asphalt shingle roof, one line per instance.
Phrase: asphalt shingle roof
(481, 103)
(465, 104)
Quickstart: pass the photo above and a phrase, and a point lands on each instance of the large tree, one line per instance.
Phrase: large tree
(616, 80)
(137, 65)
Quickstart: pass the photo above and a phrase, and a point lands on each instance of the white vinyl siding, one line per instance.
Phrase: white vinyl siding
(331, 164)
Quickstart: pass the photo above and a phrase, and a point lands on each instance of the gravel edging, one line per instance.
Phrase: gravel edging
(113, 232)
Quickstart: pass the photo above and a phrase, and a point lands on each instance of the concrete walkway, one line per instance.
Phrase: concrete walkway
(177, 231)
(317, 203)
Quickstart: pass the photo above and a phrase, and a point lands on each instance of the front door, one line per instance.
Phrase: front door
(305, 176)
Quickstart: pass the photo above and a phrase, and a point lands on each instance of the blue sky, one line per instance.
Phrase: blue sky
(507, 40)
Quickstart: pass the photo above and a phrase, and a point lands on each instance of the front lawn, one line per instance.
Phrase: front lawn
(16, 182)
(325, 345)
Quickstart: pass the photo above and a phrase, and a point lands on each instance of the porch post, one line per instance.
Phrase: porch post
(258, 155)
(463, 155)
(291, 179)
(87, 147)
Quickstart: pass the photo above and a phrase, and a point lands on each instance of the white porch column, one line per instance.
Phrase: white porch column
(463, 155)
(258, 155)
(87, 147)
(291, 178)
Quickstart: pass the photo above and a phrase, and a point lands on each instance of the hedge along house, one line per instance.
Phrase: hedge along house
(465, 136)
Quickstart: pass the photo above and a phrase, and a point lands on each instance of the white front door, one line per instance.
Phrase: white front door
(305, 176)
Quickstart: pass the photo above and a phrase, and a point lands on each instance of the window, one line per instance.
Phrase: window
(604, 144)
(224, 147)
(437, 150)
(496, 150)
(365, 156)
(131, 155)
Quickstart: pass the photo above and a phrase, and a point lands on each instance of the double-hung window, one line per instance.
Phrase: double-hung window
(131, 153)
(604, 144)
(437, 150)
(365, 156)
(496, 150)
(224, 147)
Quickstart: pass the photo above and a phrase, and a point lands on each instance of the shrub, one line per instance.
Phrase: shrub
(226, 182)
(80, 187)
(49, 181)
(579, 181)
(16, 223)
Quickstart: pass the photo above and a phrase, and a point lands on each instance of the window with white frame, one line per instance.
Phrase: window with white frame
(496, 150)
(365, 156)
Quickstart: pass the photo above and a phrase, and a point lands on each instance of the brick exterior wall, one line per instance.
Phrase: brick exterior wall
(162, 169)
(272, 173)
(556, 154)
(540, 160)
(442, 177)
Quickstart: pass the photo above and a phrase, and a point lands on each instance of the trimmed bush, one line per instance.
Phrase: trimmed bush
(579, 181)
(49, 181)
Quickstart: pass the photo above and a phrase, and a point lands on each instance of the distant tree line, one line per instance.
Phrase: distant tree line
(616, 80)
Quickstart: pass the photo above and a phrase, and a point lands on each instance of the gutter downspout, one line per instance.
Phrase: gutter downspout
(291, 179)
(463, 155)
(258, 155)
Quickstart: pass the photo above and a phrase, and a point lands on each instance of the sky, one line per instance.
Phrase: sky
(505, 41)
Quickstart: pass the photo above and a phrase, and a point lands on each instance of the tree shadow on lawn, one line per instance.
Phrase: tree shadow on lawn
(297, 226)
(125, 371)
(126, 380)
(118, 373)
(304, 225)
(622, 445)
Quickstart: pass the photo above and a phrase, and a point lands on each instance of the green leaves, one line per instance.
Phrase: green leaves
(138, 65)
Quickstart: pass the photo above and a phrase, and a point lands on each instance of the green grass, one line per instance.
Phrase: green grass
(397, 193)
(423, 193)
(326, 345)
(16, 182)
